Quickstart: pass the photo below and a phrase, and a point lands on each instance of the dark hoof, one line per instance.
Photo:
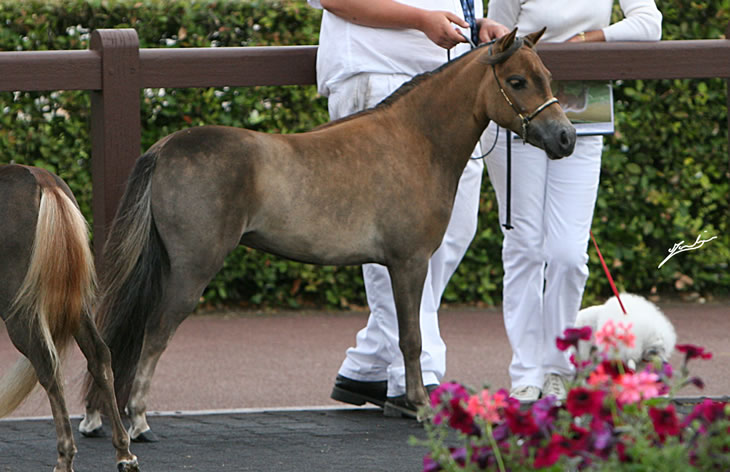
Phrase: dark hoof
(146, 437)
(128, 466)
(94, 433)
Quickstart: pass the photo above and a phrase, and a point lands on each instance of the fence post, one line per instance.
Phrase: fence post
(727, 91)
(115, 124)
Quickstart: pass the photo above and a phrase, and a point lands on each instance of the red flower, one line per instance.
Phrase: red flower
(579, 439)
(582, 401)
(571, 336)
(520, 422)
(551, 453)
(708, 411)
(450, 399)
(691, 351)
(665, 421)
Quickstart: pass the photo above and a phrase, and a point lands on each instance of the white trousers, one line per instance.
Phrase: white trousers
(376, 354)
(545, 255)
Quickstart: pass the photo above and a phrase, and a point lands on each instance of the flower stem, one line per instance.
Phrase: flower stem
(495, 448)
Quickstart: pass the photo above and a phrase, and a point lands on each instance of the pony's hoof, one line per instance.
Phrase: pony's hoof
(94, 433)
(128, 466)
(146, 437)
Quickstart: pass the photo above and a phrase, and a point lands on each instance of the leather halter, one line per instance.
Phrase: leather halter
(501, 57)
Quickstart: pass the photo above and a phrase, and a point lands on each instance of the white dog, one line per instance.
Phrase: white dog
(655, 335)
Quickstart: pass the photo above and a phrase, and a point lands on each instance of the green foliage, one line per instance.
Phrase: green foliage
(664, 172)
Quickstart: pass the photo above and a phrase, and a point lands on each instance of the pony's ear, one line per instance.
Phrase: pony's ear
(535, 37)
(505, 41)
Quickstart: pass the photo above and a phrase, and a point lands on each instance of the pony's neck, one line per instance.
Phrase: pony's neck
(444, 108)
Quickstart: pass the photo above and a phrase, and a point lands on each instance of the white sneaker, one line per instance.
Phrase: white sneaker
(555, 386)
(527, 393)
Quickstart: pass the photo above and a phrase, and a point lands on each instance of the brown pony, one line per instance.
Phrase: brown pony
(378, 186)
(48, 286)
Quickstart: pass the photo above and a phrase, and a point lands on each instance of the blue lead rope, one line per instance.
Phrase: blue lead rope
(468, 7)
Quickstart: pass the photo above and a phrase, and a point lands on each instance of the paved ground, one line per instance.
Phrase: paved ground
(288, 360)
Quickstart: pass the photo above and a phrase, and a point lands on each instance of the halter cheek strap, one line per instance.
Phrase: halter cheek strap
(501, 57)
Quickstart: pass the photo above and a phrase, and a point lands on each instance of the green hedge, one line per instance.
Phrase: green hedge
(665, 172)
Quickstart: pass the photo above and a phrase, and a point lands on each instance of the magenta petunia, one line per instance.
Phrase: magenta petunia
(520, 422)
(583, 401)
(450, 400)
(430, 465)
(545, 411)
(691, 352)
(708, 411)
(550, 454)
(571, 336)
(448, 390)
(665, 421)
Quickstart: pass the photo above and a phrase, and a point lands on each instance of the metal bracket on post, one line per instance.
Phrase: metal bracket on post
(115, 124)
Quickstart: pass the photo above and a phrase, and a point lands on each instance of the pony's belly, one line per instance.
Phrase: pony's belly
(321, 249)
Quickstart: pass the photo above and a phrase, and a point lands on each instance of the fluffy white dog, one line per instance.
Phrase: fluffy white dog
(655, 335)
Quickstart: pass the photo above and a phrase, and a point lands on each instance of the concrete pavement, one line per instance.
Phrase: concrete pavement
(235, 361)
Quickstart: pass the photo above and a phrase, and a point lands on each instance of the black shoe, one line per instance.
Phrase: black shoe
(399, 407)
(358, 392)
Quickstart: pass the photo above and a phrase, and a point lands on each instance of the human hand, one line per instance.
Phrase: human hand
(437, 26)
(490, 29)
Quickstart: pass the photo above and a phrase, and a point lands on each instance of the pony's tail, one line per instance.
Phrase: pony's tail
(134, 265)
(58, 287)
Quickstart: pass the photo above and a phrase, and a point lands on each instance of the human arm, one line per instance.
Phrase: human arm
(642, 22)
(436, 25)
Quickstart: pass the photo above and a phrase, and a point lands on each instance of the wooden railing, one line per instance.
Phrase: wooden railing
(114, 69)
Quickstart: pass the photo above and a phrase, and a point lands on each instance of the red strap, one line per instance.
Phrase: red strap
(608, 274)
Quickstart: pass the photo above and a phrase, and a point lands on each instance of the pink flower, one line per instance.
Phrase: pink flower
(487, 405)
(611, 335)
(634, 387)
(607, 372)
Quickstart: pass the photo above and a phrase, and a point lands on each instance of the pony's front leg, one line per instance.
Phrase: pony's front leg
(408, 278)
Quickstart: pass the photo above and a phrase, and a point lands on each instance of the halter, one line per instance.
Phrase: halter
(501, 57)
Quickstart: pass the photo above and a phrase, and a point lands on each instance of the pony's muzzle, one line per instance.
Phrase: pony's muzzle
(557, 139)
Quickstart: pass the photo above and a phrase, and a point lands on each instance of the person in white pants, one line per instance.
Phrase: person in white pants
(367, 50)
(545, 254)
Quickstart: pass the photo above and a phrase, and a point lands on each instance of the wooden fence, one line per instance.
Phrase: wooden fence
(114, 69)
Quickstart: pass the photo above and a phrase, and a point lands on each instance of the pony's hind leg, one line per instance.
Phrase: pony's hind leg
(99, 365)
(184, 291)
(25, 337)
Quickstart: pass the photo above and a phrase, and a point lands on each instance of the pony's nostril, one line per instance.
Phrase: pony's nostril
(564, 139)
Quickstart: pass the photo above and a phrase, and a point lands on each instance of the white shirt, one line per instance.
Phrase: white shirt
(346, 49)
(565, 18)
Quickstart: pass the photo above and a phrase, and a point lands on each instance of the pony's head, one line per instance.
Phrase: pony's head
(517, 90)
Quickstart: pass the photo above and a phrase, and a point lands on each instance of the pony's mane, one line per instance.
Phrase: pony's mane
(401, 91)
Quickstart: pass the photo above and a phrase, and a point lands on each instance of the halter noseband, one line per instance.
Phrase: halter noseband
(501, 57)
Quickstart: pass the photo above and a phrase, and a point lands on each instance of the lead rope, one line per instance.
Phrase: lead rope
(608, 274)
(508, 223)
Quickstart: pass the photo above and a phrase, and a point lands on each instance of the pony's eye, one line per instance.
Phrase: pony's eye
(517, 82)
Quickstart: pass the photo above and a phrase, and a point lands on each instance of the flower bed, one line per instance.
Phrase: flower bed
(614, 419)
